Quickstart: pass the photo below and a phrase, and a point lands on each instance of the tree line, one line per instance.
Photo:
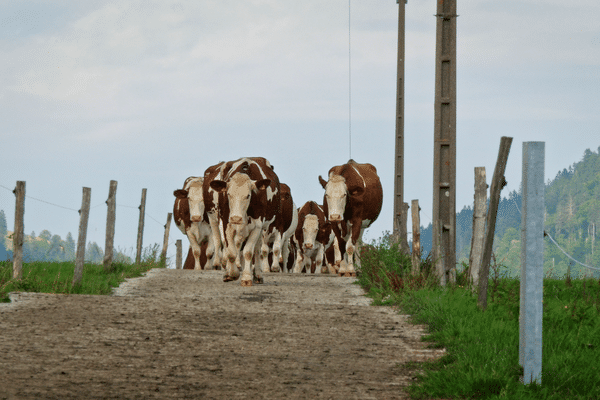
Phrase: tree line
(50, 248)
(572, 218)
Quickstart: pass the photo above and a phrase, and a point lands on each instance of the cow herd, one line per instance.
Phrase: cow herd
(240, 218)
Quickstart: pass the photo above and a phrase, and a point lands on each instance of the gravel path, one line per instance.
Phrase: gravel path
(186, 334)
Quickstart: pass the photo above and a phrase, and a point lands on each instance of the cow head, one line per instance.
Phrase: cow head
(310, 228)
(195, 199)
(336, 196)
(239, 189)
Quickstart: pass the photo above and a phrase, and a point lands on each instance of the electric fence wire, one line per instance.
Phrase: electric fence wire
(557, 245)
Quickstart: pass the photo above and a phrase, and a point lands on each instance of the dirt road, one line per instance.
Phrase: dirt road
(186, 334)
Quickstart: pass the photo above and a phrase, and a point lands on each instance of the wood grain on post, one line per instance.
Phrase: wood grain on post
(163, 256)
(19, 230)
(416, 237)
(84, 213)
(480, 200)
(498, 182)
(403, 229)
(110, 225)
(142, 207)
(178, 254)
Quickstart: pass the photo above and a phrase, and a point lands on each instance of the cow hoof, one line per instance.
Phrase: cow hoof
(228, 278)
(350, 274)
(246, 283)
(259, 280)
(275, 269)
(324, 270)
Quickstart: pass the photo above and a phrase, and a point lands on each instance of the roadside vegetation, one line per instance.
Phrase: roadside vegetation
(482, 347)
(57, 277)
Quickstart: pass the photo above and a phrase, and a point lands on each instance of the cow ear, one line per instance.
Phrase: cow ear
(357, 191)
(323, 181)
(263, 184)
(218, 186)
(180, 193)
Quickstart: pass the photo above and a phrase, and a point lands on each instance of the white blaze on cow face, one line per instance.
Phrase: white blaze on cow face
(196, 201)
(310, 228)
(239, 192)
(336, 193)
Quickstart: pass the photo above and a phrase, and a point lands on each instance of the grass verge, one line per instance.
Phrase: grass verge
(482, 358)
(57, 277)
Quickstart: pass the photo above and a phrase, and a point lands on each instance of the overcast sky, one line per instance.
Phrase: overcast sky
(148, 93)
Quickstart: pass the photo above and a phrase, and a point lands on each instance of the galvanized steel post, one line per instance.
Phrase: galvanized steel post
(532, 262)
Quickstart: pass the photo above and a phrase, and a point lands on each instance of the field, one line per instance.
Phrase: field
(482, 355)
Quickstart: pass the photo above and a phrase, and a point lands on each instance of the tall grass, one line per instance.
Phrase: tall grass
(482, 358)
(57, 277)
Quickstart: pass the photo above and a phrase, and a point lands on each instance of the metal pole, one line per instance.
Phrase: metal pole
(399, 233)
(532, 263)
(444, 148)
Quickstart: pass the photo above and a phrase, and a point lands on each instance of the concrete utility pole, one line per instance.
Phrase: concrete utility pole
(444, 147)
(399, 209)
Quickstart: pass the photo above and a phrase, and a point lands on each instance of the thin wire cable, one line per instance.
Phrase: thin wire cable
(349, 87)
(556, 244)
(43, 201)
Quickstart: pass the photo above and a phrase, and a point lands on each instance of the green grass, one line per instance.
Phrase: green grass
(57, 277)
(482, 358)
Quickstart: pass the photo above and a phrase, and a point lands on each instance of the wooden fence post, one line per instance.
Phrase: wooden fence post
(416, 237)
(110, 225)
(498, 182)
(403, 223)
(178, 254)
(19, 230)
(163, 256)
(480, 199)
(532, 263)
(84, 213)
(142, 207)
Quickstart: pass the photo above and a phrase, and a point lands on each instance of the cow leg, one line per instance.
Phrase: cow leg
(285, 253)
(264, 252)
(231, 251)
(193, 236)
(319, 259)
(351, 246)
(276, 252)
(248, 253)
(299, 262)
(213, 219)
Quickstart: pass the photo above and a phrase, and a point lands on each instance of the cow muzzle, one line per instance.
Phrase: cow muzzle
(335, 217)
(196, 218)
(308, 246)
(235, 220)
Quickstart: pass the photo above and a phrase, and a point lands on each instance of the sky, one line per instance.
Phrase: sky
(148, 93)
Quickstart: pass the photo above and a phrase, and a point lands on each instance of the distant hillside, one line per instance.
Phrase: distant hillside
(572, 219)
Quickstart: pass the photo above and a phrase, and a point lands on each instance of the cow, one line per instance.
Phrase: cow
(192, 220)
(352, 202)
(277, 236)
(249, 199)
(313, 235)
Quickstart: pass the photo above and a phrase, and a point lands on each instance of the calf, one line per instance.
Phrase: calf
(275, 239)
(312, 236)
(352, 201)
(191, 219)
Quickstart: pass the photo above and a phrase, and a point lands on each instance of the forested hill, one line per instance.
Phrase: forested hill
(572, 219)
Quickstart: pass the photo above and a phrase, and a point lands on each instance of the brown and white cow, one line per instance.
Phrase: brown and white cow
(277, 236)
(313, 235)
(249, 198)
(352, 201)
(191, 219)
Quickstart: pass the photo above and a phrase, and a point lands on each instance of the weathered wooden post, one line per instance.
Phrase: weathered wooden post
(178, 254)
(19, 230)
(84, 213)
(532, 263)
(111, 202)
(402, 223)
(163, 255)
(142, 207)
(416, 237)
(480, 199)
(498, 182)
